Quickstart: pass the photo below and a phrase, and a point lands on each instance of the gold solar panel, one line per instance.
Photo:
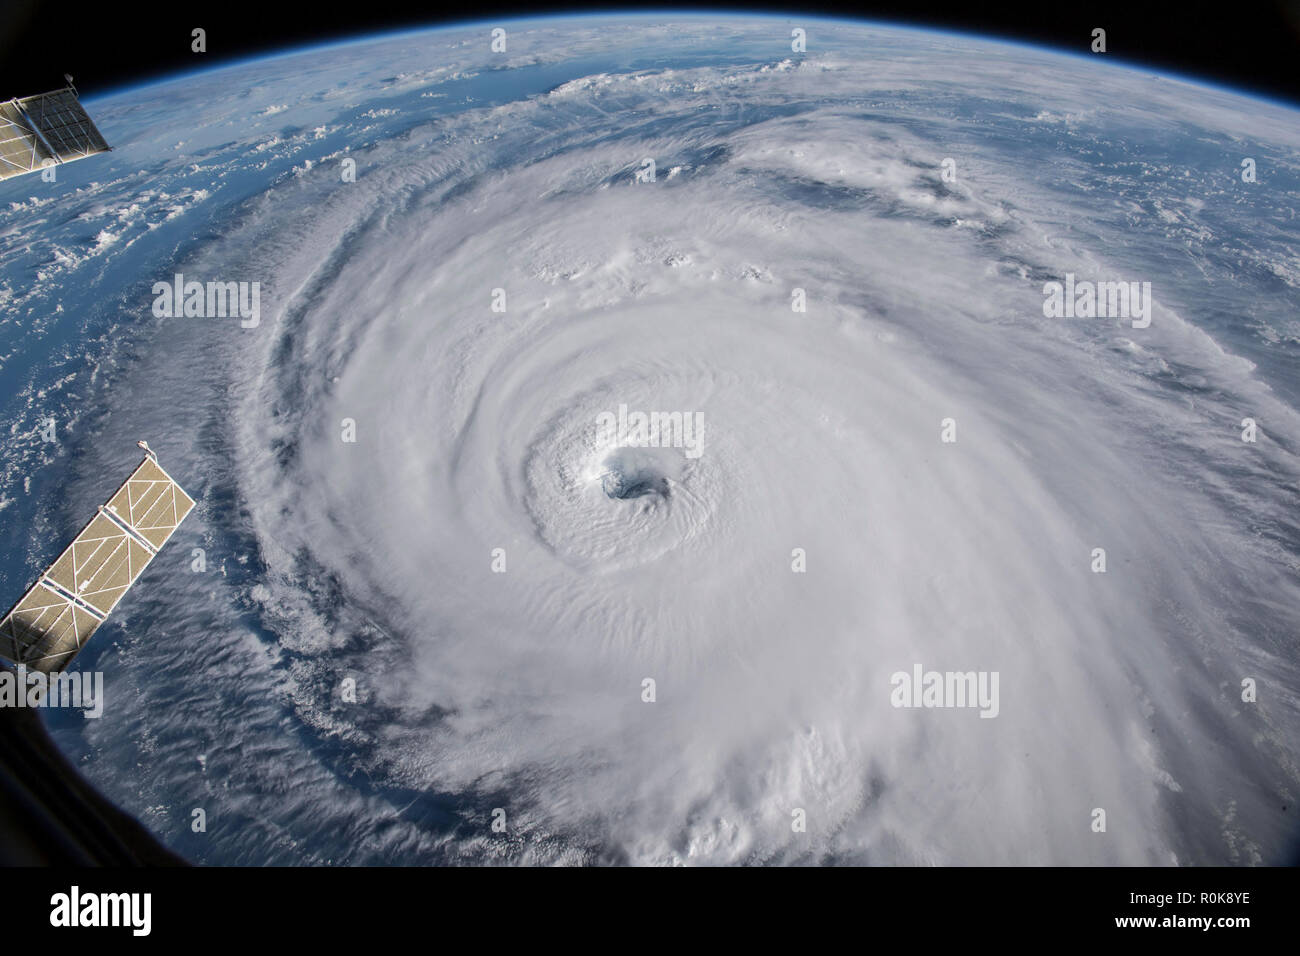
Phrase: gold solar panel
(45, 630)
(51, 623)
(48, 128)
(21, 151)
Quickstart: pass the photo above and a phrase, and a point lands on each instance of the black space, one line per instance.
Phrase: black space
(1252, 46)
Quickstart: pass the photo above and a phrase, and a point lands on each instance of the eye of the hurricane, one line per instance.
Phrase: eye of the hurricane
(636, 473)
(604, 503)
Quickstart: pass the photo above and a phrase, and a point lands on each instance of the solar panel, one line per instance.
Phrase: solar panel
(51, 623)
(48, 127)
(20, 149)
(45, 630)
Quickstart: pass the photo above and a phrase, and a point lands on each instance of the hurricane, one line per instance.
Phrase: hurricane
(628, 412)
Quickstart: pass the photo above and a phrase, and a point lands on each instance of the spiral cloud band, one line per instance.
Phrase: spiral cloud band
(877, 456)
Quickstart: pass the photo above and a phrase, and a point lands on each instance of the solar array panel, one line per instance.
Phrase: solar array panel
(50, 625)
(20, 149)
(49, 127)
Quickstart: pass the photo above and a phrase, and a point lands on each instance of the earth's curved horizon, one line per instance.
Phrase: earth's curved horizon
(1114, 61)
